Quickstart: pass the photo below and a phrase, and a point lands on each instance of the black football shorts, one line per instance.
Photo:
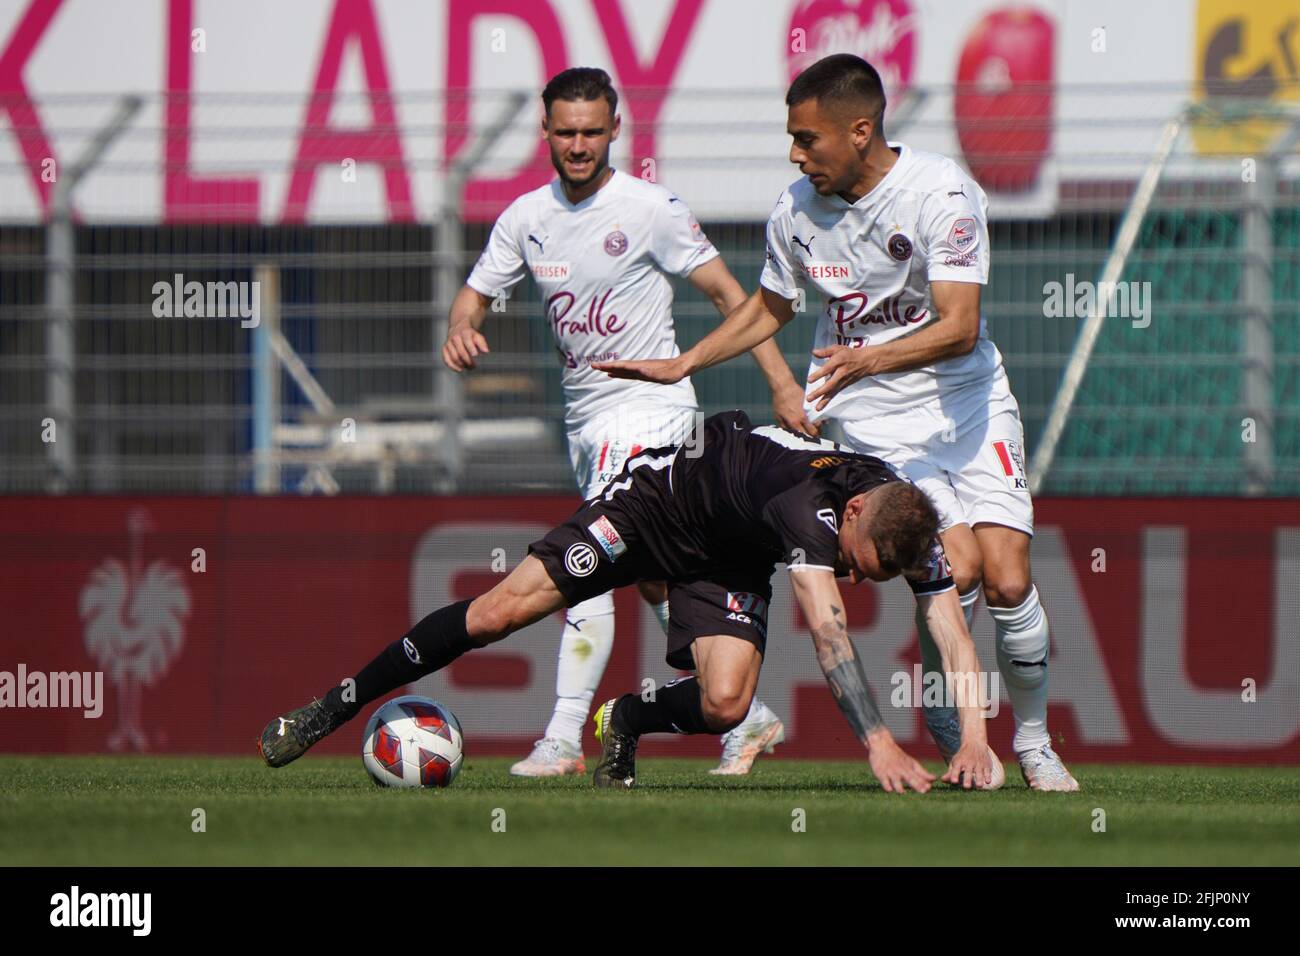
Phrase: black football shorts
(618, 539)
(732, 602)
(597, 549)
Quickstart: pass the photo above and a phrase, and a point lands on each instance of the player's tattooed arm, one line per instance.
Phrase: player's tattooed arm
(819, 597)
(843, 669)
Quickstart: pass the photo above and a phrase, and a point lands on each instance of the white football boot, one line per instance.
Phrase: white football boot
(551, 757)
(1044, 770)
(741, 746)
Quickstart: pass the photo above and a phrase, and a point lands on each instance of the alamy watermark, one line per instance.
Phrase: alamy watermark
(78, 690)
(75, 908)
(1124, 300)
(208, 300)
(919, 688)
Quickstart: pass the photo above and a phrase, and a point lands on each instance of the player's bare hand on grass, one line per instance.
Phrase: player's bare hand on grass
(971, 767)
(659, 371)
(787, 404)
(894, 767)
(463, 346)
(843, 367)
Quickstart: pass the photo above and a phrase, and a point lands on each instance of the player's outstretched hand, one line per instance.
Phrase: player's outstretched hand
(462, 347)
(787, 403)
(971, 766)
(842, 368)
(896, 769)
(659, 371)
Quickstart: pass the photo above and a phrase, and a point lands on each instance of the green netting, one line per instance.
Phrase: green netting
(1159, 409)
(1286, 345)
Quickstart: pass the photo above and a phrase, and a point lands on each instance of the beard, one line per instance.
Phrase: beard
(598, 165)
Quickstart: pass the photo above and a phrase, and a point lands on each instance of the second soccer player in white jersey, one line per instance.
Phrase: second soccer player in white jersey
(894, 242)
(601, 246)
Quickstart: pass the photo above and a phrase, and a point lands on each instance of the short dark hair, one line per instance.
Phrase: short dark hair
(903, 527)
(581, 83)
(841, 79)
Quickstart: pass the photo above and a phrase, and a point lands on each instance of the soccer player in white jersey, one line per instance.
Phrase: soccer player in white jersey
(601, 246)
(895, 244)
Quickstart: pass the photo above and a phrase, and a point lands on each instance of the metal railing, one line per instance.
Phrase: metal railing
(338, 385)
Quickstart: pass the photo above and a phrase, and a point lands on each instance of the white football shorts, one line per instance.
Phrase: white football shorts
(600, 446)
(973, 472)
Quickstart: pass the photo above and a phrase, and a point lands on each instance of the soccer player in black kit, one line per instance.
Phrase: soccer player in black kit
(712, 518)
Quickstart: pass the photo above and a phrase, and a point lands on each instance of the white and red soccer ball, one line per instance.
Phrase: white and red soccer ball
(413, 742)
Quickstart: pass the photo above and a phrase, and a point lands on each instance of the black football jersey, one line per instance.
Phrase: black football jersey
(739, 496)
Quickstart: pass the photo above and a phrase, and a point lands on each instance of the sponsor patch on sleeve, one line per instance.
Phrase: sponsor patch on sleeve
(963, 233)
(607, 536)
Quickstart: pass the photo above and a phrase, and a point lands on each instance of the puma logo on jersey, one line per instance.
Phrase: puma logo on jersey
(807, 246)
(532, 238)
(959, 192)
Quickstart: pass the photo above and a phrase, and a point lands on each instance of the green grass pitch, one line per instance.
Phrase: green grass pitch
(139, 811)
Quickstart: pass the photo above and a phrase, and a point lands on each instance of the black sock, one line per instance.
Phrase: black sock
(675, 709)
(431, 645)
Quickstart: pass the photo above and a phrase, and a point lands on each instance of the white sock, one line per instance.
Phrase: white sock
(1022, 648)
(661, 612)
(584, 652)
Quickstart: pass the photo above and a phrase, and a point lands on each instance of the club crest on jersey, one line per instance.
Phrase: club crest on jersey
(607, 536)
(900, 247)
(962, 234)
(1013, 464)
(616, 243)
(828, 517)
(580, 560)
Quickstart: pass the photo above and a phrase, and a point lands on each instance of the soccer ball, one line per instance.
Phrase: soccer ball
(413, 742)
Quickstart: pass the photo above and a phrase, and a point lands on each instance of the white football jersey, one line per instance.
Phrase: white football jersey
(870, 264)
(602, 266)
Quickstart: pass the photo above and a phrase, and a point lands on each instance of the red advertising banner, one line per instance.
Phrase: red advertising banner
(181, 625)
